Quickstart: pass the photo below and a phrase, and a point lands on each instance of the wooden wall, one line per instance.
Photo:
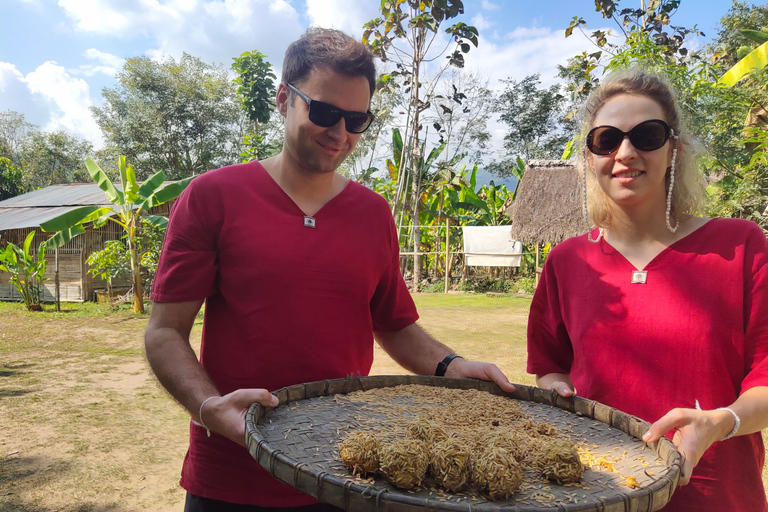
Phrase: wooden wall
(75, 284)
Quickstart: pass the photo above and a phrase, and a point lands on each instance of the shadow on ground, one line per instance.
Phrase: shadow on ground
(10, 370)
(23, 472)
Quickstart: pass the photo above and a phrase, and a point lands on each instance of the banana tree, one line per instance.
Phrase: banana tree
(756, 59)
(26, 271)
(129, 205)
(486, 205)
(418, 181)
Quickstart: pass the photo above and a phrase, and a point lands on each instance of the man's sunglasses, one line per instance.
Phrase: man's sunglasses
(646, 136)
(327, 115)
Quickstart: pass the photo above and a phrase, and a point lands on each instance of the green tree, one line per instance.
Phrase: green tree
(404, 36)
(359, 164)
(182, 118)
(10, 179)
(650, 21)
(536, 121)
(256, 92)
(737, 136)
(50, 158)
(733, 38)
(130, 204)
(460, 112)
(14, 129)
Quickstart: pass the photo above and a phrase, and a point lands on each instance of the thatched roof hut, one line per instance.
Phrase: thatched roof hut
(548, 204)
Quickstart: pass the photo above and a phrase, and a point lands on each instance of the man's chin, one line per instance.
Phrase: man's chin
(324, 166)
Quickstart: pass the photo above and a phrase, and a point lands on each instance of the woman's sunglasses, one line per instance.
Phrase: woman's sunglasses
(327, 115)
(646, 136)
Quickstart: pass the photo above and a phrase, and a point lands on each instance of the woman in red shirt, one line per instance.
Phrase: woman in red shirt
(658, 312)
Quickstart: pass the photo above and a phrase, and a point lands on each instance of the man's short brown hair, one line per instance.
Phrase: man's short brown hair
(333, 49)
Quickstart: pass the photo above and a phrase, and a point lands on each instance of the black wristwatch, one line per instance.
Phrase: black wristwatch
(442, 366)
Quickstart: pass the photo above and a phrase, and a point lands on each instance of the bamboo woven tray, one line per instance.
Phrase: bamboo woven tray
(297, 442)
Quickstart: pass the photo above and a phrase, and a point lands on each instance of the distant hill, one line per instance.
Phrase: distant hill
(484, 178)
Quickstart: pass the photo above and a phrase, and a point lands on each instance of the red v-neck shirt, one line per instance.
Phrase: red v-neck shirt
(696, 330)
(285, 303)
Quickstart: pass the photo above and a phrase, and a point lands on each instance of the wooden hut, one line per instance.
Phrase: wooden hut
(22, 214)
(548, 206)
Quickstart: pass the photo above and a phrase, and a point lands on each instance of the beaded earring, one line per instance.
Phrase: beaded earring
(671, 186)
(586, 212)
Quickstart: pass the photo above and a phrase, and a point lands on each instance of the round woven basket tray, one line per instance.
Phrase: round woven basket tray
(298, 440)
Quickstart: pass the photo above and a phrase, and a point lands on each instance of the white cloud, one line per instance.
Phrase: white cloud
(346, 15)
(489, 6)
(519, 53)
(14, 95)
(481, 23)
(108, 64)
(214, 31)
(523, 52)
(8, 75)
(67, 100)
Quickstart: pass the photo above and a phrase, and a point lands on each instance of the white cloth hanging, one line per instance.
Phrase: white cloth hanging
(491, 246)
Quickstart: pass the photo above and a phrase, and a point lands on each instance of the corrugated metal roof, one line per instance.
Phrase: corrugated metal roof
(70, 194)
(33, 208)
(18, 218)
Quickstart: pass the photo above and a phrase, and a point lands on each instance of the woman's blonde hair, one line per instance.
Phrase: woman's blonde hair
(688, 190)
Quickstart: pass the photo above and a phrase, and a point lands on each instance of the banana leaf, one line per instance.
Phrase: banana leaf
(102, 180)
(157, 220)
(76, 216)
(64, 236)
(28, 242)
(166, 193)
(149, 186)
(757, 59)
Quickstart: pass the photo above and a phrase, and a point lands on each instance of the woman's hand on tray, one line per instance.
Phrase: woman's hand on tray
(695, 431)
(226, 416)
(560, 382)
(461, 368)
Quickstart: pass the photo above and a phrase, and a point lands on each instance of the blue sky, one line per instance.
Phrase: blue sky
(56, 56)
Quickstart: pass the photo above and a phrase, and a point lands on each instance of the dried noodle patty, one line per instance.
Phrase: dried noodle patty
(560, 461)
(497, 473)
(450, 463)
(425, 430)
(404, 462)
(521, 446)
(360, 452)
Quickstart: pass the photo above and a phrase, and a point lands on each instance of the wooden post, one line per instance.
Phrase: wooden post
(447, 250)
(538, 271)
(57, 288)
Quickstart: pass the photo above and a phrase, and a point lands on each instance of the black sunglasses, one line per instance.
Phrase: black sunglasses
(327, 115)
(646, 136)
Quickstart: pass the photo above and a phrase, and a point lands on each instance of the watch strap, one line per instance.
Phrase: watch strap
(442, 366)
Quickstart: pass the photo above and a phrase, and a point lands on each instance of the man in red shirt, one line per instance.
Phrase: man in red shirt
(299, 270)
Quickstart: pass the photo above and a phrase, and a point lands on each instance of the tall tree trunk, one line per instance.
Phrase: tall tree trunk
(416, 155)
(435, 273)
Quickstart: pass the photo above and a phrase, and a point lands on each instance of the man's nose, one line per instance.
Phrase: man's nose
(338, 131)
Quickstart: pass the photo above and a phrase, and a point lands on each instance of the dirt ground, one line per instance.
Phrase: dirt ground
(84, 426)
